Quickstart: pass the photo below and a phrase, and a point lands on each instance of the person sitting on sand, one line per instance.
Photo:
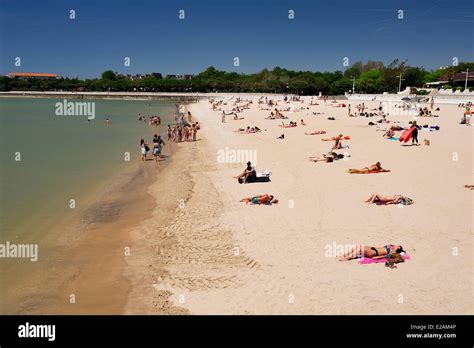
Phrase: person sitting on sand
(375, 253)
(389, 133)
(302, 123)
(337, 141)
(378, 199)
(249, 171)
(261, 199)
(374, 168)
(316, 133)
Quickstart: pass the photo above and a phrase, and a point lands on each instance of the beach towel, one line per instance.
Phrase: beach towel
(368, 260)
(393, 138)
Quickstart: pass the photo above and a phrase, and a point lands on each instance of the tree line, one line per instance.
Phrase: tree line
(369, 77)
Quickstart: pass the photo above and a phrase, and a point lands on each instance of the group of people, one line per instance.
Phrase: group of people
(158, 144)
(185, 132)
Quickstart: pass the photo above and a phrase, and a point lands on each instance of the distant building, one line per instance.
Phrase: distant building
(28, 75)
(179, 77)
(157, 75)
(130, 76)
(459, 79)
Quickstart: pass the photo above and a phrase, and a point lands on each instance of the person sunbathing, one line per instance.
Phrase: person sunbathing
(374, 168)
(330, 157)
(261, 199)
(375, 198)
(316, 133)
(471, 187)
(238, 118)
(289, 125)
(360, 251)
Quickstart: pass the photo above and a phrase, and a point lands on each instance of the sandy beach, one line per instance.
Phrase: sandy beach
(215, 255)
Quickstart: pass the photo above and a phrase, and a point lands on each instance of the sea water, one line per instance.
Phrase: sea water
(52, 164)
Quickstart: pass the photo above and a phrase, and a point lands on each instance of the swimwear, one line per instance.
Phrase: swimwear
(376, 252)
(255, 200)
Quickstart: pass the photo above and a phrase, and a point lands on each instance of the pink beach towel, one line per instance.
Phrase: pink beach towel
(367, 260)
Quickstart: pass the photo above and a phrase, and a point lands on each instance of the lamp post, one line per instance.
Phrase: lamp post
(400, 82)
(353, 84)
(467, 75)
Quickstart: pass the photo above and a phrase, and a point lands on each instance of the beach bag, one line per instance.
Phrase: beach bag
(427, 142)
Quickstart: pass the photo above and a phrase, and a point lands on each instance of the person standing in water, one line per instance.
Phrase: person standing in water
(143, 149)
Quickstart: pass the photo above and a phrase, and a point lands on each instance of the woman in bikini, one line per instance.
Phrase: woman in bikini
(372, 252)
(374, 168)
(379, 199)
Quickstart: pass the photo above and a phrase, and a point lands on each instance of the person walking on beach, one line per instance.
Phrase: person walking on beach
(432, 103)
(223, 116)
(414, 133)
(349, 110)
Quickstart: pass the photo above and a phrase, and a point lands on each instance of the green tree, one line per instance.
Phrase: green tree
(108, 75)
(370, 82)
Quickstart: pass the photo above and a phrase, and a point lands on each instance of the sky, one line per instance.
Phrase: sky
(259, 32)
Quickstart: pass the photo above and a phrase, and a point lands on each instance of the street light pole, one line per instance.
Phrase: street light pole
(467, 75)
(400, 82)
(353, 84)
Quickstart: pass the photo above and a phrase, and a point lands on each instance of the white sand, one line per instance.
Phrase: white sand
(271, 259)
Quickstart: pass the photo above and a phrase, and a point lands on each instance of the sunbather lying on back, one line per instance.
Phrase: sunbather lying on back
(290, 125)
(374, 168)
(330, 157)
(385, 200)
(316, 133)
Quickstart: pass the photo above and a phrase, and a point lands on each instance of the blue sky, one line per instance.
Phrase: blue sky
(215, 31)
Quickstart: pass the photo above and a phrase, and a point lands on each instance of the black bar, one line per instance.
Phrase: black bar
(243, 330)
